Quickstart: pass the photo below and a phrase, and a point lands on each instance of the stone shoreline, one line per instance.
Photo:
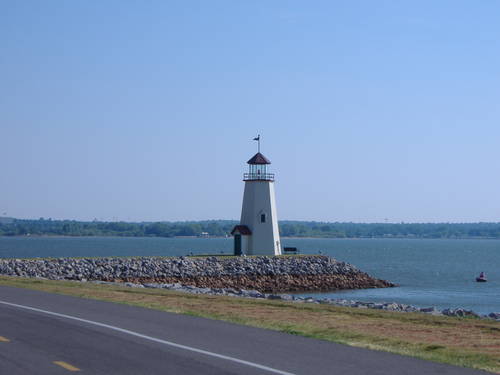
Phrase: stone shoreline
(265, 274)
(242, 293)
(246, 277)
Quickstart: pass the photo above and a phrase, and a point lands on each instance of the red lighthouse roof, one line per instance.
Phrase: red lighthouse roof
(243, 229)
(258, 158)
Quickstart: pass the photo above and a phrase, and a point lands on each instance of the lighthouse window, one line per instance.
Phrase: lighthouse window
(263, 218)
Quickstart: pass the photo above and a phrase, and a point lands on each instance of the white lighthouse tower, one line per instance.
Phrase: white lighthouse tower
(258, 232)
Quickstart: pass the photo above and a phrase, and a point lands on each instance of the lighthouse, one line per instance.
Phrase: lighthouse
(257, 233)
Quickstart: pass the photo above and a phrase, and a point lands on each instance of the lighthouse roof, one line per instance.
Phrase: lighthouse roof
(242, 229)
(258, 158)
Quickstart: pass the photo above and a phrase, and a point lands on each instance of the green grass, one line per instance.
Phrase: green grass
(195, 256)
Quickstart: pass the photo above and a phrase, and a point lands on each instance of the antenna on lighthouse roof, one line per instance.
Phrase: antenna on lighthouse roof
(258, 141)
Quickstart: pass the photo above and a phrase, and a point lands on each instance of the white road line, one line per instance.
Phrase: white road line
(165, 342)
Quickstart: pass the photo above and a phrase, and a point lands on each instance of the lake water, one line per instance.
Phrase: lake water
(437, 273)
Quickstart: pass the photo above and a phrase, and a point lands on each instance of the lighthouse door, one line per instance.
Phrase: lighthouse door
(237, 244)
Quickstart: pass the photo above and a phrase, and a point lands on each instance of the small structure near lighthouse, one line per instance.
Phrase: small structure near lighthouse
(258, 233)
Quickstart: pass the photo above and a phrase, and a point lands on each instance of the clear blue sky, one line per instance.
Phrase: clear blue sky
(146, 110)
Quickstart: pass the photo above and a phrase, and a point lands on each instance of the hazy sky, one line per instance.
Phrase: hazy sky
(146, 110)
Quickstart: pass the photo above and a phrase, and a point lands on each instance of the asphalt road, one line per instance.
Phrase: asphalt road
(43, 333)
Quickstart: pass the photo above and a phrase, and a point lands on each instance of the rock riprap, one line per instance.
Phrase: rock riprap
(242, 293)
(265, 274)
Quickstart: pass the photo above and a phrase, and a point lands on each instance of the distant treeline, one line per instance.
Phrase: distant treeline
(50, 227)
(18, 227)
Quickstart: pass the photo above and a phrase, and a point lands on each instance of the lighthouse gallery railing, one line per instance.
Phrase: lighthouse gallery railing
(258, 176)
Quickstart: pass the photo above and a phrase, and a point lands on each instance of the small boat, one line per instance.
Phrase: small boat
(481, 278)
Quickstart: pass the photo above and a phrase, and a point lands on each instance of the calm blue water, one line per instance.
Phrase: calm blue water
(430, 272)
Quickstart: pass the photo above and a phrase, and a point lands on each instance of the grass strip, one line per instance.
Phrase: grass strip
(466, 342)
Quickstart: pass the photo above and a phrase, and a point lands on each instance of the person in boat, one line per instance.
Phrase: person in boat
(482, 277)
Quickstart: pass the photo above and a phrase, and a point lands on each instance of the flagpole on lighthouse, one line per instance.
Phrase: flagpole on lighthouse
(258, 142)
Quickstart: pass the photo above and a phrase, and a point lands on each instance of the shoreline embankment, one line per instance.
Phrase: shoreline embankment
(250, 277)
(261, 273)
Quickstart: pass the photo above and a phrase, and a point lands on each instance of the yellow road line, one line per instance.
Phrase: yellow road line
(67, 366)
(4, 339)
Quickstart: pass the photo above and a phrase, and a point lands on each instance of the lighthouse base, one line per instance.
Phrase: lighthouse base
(258, 214)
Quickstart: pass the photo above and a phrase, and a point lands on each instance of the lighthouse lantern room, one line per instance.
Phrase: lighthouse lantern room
(258, 233)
